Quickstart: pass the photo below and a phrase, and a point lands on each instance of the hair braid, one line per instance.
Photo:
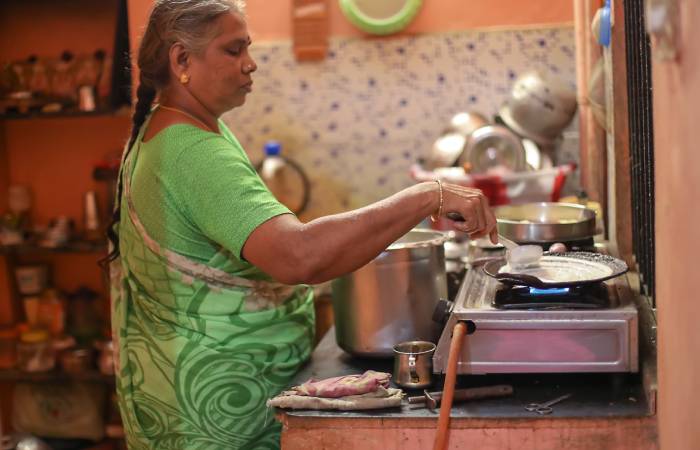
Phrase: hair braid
(188, 22)
(145, 95)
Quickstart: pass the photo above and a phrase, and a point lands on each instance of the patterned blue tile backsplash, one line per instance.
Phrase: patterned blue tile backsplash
(357, 120)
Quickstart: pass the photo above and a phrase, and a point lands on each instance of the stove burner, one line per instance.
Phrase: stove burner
(579, 297)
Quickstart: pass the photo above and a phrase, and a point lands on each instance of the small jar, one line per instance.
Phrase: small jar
(34, 352)
(52, 312)
(76, 360)
(8, 347)
(62, 345)
(105, 362)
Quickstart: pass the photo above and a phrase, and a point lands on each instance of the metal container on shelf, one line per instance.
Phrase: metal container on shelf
(392, 299)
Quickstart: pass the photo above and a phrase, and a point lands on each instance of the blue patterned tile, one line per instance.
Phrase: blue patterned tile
(372, 108)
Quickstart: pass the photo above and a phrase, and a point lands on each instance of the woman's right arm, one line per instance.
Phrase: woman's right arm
(293, 252)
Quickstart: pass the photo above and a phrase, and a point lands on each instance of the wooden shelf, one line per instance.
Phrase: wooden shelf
(71, 247)
(120, 112)
(14, 375)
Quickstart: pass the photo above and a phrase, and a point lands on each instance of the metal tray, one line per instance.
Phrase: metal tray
(559, 270)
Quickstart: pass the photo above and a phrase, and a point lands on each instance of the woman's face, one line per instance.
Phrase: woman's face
(220, 77)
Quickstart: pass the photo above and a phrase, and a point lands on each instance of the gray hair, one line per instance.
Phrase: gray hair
(185, 21)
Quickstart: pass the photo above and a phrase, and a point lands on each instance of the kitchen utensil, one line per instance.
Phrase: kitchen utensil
(559, 270)
(392, 298)
(431, 400)
(494, 148)
(507, 243)
(546, 407)
(539, 107)
(465, 123)
(545, 222)
(518, 256)
(413, 364)
(446, 150)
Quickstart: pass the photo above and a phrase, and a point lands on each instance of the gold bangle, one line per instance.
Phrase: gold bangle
(433, 216)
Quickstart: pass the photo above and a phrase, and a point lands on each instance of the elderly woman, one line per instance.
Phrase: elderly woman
(211, 308)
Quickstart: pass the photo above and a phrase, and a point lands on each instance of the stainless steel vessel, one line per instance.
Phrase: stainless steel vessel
(413, 364)
(545, 222)
(391, 299)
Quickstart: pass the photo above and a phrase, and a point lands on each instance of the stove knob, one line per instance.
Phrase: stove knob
(442, 311)
(471, 326)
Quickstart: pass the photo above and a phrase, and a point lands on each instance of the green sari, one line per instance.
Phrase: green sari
(199, 349)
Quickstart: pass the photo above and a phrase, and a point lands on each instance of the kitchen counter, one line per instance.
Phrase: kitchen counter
(605, 411)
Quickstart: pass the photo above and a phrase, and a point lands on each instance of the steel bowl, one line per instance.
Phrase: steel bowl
(541, 223)
(465, 123)
(539, 107)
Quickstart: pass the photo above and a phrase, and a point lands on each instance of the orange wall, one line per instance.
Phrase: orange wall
(270, 19)
(47, 27)
(677, 171)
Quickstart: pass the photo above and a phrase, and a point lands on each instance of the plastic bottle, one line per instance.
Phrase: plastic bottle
(284, 178)
(273, 161)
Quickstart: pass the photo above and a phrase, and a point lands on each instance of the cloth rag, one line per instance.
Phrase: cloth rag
(344, 385)
(380, 398)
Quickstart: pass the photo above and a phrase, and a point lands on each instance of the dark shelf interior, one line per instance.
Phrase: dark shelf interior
(71, 247)
(15, 375)
(66, 114)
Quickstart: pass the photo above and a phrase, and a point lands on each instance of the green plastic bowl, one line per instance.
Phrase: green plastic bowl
(384, 25)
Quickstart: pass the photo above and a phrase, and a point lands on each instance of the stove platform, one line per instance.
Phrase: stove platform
(597, 337)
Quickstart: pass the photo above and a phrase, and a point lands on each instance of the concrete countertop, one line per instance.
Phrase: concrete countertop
(593, 395)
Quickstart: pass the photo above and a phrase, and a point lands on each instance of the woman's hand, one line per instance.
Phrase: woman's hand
(473, 206)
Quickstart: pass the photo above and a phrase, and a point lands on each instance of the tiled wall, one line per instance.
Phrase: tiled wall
(357, 120)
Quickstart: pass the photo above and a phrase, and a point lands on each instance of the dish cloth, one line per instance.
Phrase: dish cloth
(381, 398)
(369, 390)
(344, 385)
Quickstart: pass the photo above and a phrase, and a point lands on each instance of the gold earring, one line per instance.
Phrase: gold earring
(184, 78)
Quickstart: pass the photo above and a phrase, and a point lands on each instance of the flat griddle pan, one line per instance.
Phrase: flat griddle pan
(556, 270)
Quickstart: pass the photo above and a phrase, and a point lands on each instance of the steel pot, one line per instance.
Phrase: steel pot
(545, 222)
(391, 299)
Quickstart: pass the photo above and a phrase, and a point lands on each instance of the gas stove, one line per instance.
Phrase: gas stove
(524, 330)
